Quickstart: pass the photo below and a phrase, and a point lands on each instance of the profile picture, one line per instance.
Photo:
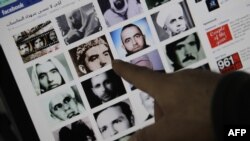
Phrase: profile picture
(107, 118)
(63, 105)
(79, 23)
(132, 38)
(185, 51)
(103, 88)
(80, 130)
(91, 56)
(173, 20)
(36, 41)
(49, 74)
(116, 11)
(154, 3)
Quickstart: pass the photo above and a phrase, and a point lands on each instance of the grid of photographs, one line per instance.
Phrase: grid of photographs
(68, 59)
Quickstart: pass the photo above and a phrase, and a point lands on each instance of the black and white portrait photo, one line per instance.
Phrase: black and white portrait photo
(185, 51)
(91, 56)
(36, 41)
(173, 20)
(49, 74)
(63, 105)
(80, 130)
(103, 88)
(116, 11)
(107, 118)
(79, 23)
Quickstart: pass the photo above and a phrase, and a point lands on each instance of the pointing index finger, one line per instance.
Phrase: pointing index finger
(142, 77)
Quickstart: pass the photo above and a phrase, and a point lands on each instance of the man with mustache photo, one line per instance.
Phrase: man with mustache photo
(185, 51)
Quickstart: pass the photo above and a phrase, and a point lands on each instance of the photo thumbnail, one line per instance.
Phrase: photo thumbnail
(185, 51)
(132, 38)
(49, 74)
(37, 41)
(91, 56)
(79, 23)
(107, 119)
(173, 20)
(80, 130)
(103, 88)
(63, 105)
(116, 11)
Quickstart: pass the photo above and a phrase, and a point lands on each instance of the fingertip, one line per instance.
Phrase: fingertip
(116, 65)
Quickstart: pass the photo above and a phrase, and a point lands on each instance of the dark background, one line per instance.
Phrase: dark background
(13, 108)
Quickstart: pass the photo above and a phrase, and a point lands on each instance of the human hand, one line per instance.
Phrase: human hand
(182, 102)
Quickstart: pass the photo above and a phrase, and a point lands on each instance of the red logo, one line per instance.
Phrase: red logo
(229, 63)
(219, 36)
